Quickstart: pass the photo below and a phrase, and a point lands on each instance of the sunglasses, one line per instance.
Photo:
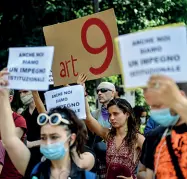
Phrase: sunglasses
(54, 119)
(103, 90)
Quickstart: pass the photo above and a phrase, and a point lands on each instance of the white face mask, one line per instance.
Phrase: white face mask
(143, 120)
(27, 99)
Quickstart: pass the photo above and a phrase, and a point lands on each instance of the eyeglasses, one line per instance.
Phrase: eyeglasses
(103, 90)
(54, 119)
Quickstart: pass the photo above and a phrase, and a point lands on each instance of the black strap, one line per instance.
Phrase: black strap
(174, 158)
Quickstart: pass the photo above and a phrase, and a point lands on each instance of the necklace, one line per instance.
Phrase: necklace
(63, 174)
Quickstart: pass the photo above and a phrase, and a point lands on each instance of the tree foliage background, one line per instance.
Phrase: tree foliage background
(21, 21)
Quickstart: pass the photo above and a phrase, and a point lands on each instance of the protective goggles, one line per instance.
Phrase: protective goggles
(54, 119)
(103, 90)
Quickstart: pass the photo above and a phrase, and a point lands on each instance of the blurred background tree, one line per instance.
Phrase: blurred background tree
(21, 22)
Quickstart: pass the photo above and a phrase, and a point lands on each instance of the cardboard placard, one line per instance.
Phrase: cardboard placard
(155, 51)
(84, 45)
(29, 67)
(71, 97)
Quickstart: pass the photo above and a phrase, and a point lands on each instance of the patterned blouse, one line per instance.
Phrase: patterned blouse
(120, 162)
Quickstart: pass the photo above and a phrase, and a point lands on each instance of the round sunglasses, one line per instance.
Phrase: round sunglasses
(54, 119)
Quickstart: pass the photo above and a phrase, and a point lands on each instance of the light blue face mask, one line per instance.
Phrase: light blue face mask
(54, 151)
(164, 117)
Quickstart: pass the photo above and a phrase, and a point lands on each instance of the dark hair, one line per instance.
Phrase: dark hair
(119, 90)
(11, 92)
(183, 87)
(76, 126)
(138, 110)
(125, 106)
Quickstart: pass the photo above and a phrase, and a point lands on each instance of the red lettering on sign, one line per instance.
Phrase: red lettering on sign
(73, 66)
(66, 68)
(108, 44)
(63, 71)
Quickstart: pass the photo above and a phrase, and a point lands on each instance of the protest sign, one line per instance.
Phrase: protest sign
(130, 97)
(71, 97)
(84, 45)
(51, 82)
(29, 67)
(155, 51)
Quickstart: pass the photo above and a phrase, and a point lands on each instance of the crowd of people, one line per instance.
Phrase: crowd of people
(114, 141)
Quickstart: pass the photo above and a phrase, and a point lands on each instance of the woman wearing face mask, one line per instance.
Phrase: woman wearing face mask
(124, 143)
(141, 118)
(88, 154)
(61, 130)
(33, 129)
(26, 97)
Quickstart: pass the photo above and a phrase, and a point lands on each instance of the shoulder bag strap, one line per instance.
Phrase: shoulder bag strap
(174, 158)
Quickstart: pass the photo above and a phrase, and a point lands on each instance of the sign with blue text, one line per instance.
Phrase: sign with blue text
(30, 67)
(71, 97)
(154, 51)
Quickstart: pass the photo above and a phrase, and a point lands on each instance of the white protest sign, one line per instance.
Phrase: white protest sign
(130, 97)
(155, 51)
(29, 67)
(51, 82)
(71, 97)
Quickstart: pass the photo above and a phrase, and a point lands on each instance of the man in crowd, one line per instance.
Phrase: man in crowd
(105, 91)
(165, 149)
(8, 170)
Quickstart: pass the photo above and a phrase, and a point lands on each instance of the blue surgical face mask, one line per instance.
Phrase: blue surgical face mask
(164, 117)
(54, 151)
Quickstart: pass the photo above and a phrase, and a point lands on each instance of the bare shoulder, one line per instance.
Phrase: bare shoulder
(140, 140)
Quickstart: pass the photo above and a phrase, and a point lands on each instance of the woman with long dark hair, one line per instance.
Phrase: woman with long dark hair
(124, 143)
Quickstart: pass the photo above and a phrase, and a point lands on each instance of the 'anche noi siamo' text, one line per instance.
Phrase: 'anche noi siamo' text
(153, 59)
(28, 70)
(60, 99)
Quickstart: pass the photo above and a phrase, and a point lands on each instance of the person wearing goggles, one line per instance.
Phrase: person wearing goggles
(61, 133)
